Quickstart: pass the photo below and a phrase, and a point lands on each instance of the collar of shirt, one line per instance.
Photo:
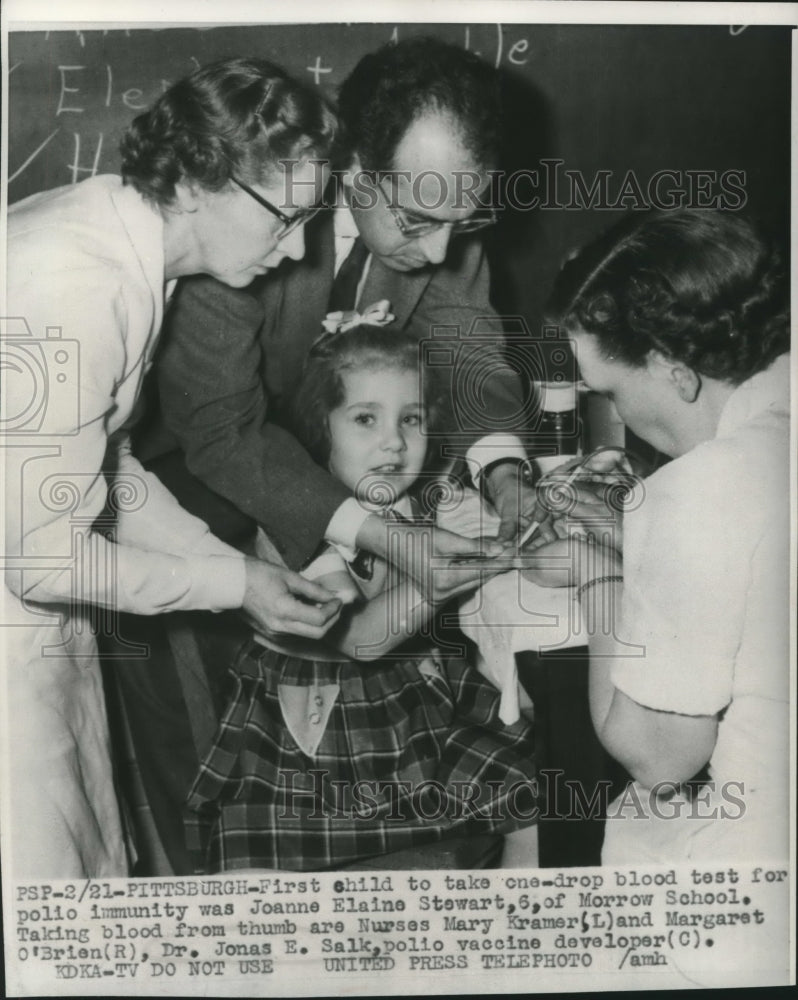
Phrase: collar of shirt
(767, 390)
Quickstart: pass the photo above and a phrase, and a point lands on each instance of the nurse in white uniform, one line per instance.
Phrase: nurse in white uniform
(217, 178)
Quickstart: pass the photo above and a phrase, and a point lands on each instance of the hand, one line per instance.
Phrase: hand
(340, 585)
(514, 498)
(570, 562)
(426, 555)
(590, 496)
(277, 600)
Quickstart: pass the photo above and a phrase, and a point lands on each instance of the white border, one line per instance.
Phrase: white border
(198, 12)
(40, 14)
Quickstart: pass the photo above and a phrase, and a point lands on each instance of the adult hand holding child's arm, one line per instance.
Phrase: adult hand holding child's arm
(278, 600)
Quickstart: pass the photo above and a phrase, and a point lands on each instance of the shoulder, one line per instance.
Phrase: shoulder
(461, 284)
(78, 211)
(743, 467)
(45, 205)
(211, 297)
(76, 228)
(729, 490)
(200, 302)
(65, 277)
(465, 259)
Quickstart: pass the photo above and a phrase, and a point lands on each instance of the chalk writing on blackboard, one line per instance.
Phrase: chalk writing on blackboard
(74, 92)
(317, 69)
(33, 155)
(516, 50)
(132, 97)
(63, 70)
(75, 166)
(82, 37)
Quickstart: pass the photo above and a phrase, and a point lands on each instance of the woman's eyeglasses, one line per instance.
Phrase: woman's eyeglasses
(414, 225)
(289, 222)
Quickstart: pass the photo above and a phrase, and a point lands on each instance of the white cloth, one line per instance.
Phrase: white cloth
(509, 613)
(706, 593)
(87, 259)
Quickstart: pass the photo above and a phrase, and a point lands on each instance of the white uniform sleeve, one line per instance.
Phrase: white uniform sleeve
(60, 478)
(684, 591)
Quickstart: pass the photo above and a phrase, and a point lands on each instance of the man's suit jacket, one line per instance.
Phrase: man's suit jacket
(231, 359)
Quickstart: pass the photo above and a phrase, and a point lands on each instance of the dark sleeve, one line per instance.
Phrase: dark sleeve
(484, 394)
(213, 400)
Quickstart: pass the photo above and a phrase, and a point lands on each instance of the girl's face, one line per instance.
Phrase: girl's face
(377, 434)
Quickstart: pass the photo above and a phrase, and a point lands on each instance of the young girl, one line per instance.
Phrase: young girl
(323, 759)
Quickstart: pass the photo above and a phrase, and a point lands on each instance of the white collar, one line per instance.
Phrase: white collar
(767, 390)
(344, 225)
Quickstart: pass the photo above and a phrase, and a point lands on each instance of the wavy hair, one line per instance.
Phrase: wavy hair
(238, 117)
(703, 287)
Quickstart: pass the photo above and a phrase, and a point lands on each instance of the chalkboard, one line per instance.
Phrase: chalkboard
(597, 104)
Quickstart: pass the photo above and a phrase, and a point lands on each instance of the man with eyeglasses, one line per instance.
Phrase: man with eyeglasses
(422, 120)
(423, 123)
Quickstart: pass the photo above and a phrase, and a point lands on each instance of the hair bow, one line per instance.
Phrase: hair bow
(375, 315)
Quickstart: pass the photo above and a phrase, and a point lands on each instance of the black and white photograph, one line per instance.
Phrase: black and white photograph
(398, 447)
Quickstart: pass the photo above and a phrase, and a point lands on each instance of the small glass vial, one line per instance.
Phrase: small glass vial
(558, 433)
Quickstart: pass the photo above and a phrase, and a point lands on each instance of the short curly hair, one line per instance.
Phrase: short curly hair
(364, 347)
(390, 88)
(237, 117)
(703, 287)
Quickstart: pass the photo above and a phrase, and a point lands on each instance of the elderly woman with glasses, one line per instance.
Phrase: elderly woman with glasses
(89, 532)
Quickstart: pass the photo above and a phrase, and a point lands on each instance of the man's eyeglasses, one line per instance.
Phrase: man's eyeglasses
(413, 224)
(290, 222)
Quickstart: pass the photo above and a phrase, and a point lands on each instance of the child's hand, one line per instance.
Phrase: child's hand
(455, 565)
(341, 585)
(429, 556)
(512, 494)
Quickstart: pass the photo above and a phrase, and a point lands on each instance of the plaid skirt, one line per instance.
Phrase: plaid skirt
(319, 764)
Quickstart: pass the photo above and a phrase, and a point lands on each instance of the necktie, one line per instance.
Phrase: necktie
(343, 295)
